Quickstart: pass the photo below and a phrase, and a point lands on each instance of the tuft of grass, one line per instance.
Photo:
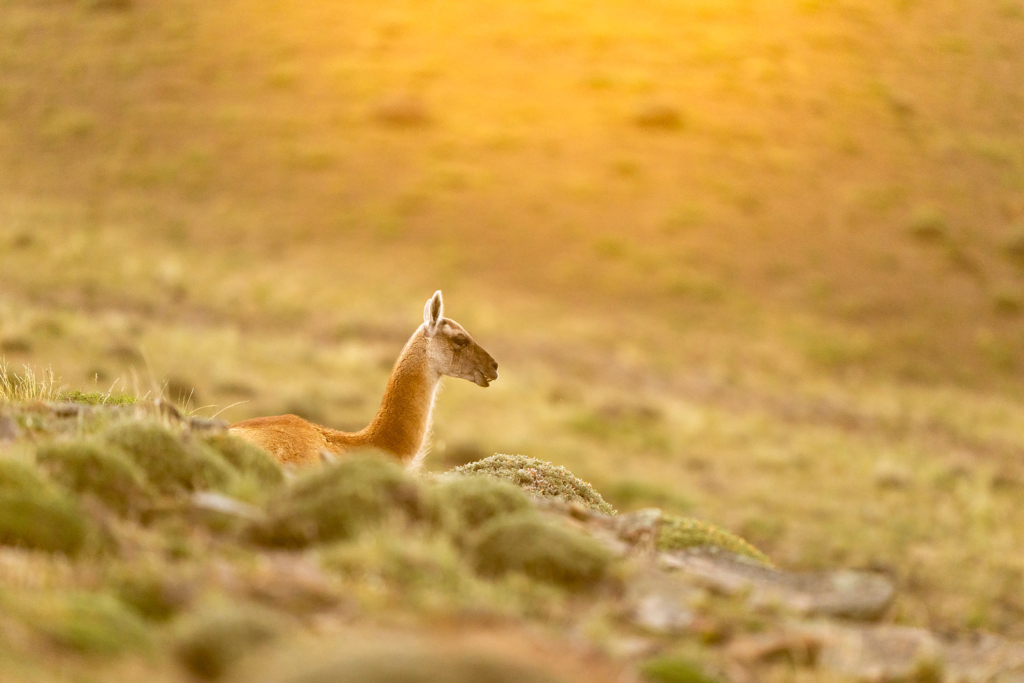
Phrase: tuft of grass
(474, 501)
(91, 623)
(680, 533)
(247, 458)
(538, 478)
(102, 470)
(170, 464)
(208, 644)
(527, 544)
(27, 386)
(673, 670)
(337, 502)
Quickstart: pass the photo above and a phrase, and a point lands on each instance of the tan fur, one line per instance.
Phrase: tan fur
(401, 427)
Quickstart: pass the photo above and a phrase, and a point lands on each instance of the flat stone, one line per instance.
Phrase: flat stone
(9, 430)
(211, 501)
(985, 657)
(878, 654)
(845, 594)
(660, 602)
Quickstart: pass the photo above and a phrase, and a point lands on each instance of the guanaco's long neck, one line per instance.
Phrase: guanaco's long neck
(403, 421)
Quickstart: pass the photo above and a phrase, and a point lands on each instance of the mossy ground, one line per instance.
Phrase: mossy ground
(123, 567)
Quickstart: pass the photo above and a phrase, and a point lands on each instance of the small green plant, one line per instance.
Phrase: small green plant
(673, 670)
(680, 533)
(96, 398)
(525, 543)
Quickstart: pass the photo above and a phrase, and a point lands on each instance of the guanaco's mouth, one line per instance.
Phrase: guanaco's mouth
(483, 380)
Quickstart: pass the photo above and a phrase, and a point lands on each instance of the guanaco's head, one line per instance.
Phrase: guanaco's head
(452, 351)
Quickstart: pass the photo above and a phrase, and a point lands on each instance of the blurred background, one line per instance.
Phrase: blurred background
(756, 261)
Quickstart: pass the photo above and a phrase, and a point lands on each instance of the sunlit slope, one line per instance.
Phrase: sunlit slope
(861, 162)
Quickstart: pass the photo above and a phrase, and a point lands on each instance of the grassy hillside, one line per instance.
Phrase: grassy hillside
(758, 261)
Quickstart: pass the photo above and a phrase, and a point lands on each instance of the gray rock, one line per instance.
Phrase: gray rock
(846, 594)
(659, 602)
(879, 654)
(9, 430)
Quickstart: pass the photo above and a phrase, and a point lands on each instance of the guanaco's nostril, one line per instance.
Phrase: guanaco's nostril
(494, 364)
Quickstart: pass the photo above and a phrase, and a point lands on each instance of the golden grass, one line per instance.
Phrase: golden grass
(794, 306)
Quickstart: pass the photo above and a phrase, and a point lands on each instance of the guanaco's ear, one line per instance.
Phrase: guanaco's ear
(433, 312)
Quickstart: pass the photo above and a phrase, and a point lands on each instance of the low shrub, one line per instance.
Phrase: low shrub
(42, 520)
(470, 502)
(338, 501)
(94, 623)
(99, 469)
(17, 477)
(170, 464)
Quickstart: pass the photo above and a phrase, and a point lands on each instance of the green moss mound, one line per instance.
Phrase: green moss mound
(247, 458)
(210, 643)
(99, 469)
(170, 464)
(393, 665)
(95, 398)
(673, 670)
(42, 520)
(540, 549)
(338, 501)
(680, 533)
(17, 477)
(471, 502)
(93, 623)
(538, 478)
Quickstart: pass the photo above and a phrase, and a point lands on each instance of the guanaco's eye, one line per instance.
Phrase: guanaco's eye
(459, 342)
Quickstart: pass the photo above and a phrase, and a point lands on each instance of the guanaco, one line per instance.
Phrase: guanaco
(401, 428)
